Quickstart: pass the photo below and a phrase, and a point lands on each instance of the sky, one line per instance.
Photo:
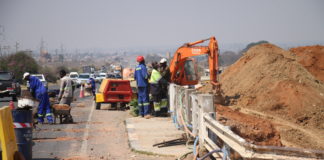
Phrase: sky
(108, 24)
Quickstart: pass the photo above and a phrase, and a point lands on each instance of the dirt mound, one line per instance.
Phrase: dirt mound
(253, 129)
(312, 58)
(267, 78)
(270, 80)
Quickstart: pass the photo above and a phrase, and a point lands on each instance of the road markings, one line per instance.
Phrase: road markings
(84, 145)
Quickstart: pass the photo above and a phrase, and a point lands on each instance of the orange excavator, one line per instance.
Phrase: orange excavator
(183, 68)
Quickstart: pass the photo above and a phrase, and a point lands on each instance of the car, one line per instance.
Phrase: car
(9, 86)
(74, 76)
(102, 76)
(83, 78)
(118, 76)
(41, 77)
(110, 76)
(96, 77)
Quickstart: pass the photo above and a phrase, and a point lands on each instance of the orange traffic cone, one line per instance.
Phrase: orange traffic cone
(81, 92)
(11, 105)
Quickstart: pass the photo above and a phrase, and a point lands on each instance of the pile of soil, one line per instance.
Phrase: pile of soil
(253, 129)
(312, 58)
(26, 94)
(61, 107)
(273, 81)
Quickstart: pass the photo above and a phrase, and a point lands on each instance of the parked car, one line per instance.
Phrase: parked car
(41, 77)
(83, 78)
(9, 87)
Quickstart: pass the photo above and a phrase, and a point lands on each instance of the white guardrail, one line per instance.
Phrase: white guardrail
(195, 112)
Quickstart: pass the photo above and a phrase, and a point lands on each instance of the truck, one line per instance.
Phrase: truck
(9, 86)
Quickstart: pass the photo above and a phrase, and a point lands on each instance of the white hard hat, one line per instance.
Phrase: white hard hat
(25, 75)
(163, 60)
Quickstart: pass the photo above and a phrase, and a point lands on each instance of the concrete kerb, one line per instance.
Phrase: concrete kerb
(132, 143)
(139, 143)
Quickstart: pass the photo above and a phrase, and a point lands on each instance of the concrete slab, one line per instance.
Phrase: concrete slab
(144, 133)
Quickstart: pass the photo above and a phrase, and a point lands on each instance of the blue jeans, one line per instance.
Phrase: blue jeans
(143, 101)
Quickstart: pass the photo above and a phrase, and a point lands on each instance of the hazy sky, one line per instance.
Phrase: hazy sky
(151, 23)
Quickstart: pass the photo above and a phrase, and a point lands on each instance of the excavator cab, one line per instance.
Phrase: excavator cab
(183, 68)
(187, 72)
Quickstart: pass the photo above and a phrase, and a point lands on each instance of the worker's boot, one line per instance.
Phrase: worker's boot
(40, 120)
(49, 119)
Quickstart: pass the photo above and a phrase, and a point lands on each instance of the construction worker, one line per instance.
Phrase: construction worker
(165, 73)
(155, 88)
(141, 77)
(66, 89)
(40, 93)
(92, 82)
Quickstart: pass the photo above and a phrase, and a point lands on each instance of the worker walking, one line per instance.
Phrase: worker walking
(66, 89)
(165, 73)
(40, 93)
(141, 77)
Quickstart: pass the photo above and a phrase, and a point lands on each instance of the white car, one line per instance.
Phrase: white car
(74, 76)
(41, 77)
(83, 78)
(102, 76)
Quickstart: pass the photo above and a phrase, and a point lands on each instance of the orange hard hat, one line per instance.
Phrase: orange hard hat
(140, 58)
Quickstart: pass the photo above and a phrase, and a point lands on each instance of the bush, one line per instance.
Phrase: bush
(50, 74)
(134, 110)
(19, 63)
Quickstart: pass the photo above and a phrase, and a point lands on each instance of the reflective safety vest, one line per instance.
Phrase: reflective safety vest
(155, 77)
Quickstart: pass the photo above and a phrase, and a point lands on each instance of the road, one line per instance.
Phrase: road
(95, 134)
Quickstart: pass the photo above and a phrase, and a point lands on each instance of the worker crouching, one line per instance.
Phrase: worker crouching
(40, 93)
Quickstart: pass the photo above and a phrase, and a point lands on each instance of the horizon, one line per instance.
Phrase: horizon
(145, 25)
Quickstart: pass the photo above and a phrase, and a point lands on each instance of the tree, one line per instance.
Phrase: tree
(19, 63)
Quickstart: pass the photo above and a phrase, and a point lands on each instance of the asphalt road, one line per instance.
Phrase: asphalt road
(94, 134)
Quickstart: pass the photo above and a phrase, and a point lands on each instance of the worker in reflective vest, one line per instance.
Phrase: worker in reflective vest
(40, 93)
(141, 78)
(165, 73)
(155, 88)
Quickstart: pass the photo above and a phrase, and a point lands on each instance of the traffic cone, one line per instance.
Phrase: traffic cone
(12, 105)
(81, 92)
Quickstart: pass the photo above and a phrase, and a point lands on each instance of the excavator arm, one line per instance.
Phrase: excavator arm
(183, 69)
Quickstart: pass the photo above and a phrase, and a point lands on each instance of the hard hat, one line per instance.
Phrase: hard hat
(163, 60)
(140, 58)
(25, 75)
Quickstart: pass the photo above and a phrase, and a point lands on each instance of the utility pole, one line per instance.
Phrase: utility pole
(17, 46)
